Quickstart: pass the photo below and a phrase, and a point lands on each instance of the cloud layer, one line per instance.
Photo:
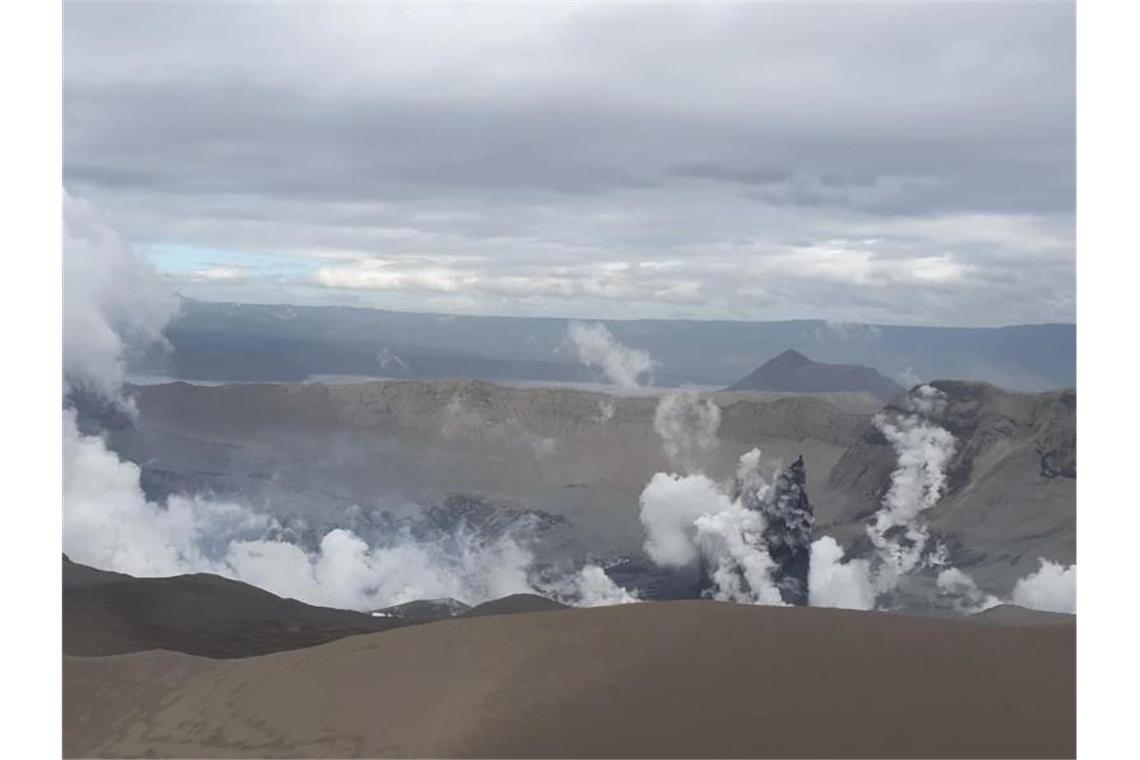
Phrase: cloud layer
(726, 160)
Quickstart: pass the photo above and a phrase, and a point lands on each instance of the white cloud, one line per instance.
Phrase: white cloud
(687, 426)
(834, 583)
(220, 274)
(446, 143)
(596, 589)
(112, 300)
(596, 346)
(690, 517)
(670, 506)
(1052, 588)
(964, 592)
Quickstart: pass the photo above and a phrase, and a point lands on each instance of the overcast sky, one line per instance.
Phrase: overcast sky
(908, 164)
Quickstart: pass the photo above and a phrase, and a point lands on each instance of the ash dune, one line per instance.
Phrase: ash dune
(675, 679)
(106, 613)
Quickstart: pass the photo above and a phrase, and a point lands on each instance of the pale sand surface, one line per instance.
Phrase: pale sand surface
(677, 679)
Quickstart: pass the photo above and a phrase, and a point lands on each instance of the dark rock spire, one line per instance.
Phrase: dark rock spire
(788, 521)
(789, 518)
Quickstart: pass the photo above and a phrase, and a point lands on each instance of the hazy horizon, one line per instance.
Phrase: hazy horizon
(592, 318)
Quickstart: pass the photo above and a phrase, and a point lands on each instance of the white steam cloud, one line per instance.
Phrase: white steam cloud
(923, 450)
(597, 348)
(964, 593)
(689, 518)
(834, 583)
(109, 523)
(688, 428)
(593, 588)
(112, 300)
(670, 507)
(1052, 588)
(347, 572)
(902, 541)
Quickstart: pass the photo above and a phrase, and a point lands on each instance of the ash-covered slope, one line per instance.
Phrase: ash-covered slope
(676, 679)
(112, 613)
(791, 371)
(1010, 493)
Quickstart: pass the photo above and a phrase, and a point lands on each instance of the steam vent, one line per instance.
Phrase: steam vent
(787, 534)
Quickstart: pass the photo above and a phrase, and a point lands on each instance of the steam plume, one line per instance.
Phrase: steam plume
(1052, 588)
(923, 449)
(597, 348)
(687, 426)
(593, 588)
(112, 301)
(834, 583)
(690, 518)
(964, 593)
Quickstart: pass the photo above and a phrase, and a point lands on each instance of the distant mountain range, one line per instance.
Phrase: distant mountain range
(233, 342)
(791, 371)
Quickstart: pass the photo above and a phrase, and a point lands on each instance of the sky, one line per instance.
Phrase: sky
(889, 163)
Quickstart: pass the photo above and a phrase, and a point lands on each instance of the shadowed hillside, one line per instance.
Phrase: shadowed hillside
(111, 613)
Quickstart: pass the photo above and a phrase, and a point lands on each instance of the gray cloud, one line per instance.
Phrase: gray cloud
(696, 160)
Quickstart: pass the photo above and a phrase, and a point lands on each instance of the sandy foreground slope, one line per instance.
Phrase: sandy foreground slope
(693, 679)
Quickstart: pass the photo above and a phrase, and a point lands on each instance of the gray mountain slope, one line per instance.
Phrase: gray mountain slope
(202, 614)
(1011, 491)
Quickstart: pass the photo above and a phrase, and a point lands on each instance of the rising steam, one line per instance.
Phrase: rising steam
(112, 300)
(900, 539)
(687, 426)
(623, 366)
(740, 533)
(923, 449)
(115, 302)
(1052, 588)
(690, 518)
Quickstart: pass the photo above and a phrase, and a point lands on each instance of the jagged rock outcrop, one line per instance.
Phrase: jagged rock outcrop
(789, 519)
